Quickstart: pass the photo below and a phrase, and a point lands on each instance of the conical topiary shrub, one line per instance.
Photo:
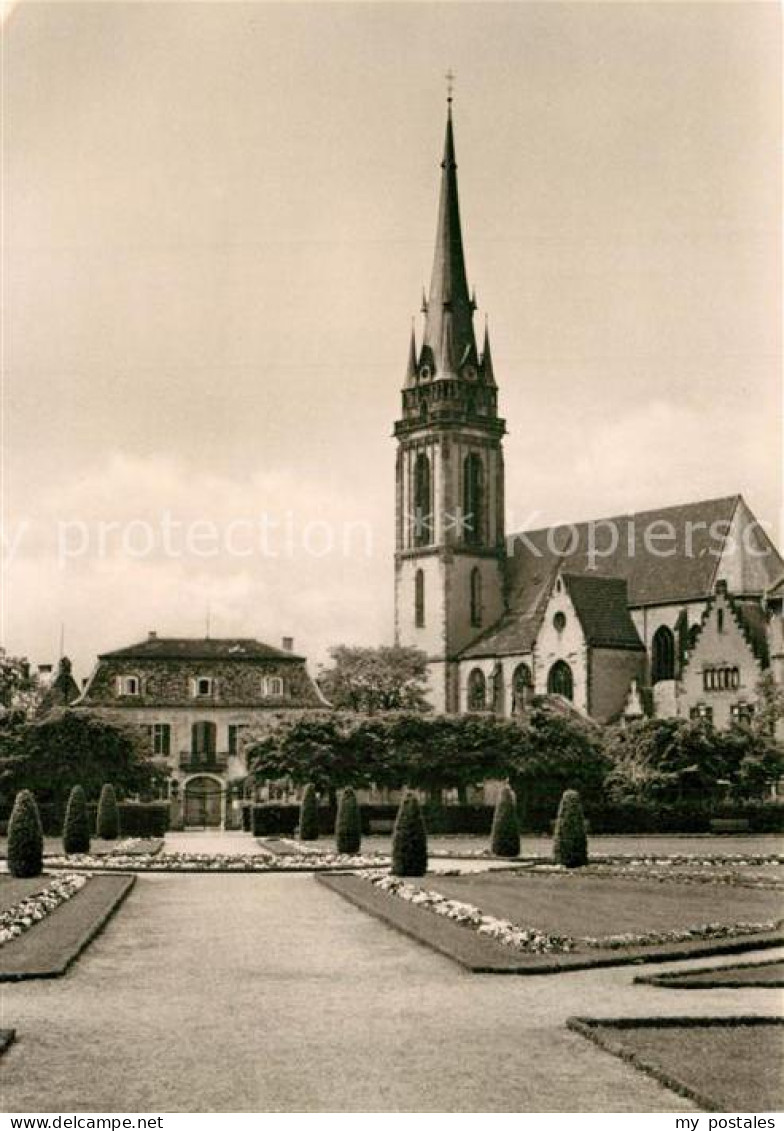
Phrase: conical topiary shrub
(505, 836)
(76, 827)
(348, 825)
(409, 839)
(25, 837)
(570, 844)
(308, 815)
(107, 824)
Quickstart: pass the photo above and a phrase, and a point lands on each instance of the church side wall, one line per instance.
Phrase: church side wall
(611, 674)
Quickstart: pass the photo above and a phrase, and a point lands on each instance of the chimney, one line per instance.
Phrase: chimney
(287, 644)
(152, 635)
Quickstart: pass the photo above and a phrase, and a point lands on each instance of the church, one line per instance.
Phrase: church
(668, 612)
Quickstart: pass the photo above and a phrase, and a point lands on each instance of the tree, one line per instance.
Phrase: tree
(308, 814)
(25, 837)
(76, 828)
(107, 825)
(570, 843)
(770, 705)
(409, 839)
(348, 826)
(19, 688)
(75, 747)
(505, 835)
(370, 680)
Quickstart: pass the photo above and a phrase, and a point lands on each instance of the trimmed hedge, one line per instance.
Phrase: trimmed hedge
(505, 835)
(25, 838)
(308, 815)
(76, 827)
(570, 844)
(348, 826)
(144, 818)
(274, 819)
(409, 839)
(107, 823)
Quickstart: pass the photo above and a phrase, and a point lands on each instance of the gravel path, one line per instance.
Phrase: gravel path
(269, 993)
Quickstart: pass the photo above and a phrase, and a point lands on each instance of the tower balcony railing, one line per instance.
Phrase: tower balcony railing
(204, 762)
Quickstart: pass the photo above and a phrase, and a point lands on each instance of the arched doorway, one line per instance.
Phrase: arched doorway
(203, 802)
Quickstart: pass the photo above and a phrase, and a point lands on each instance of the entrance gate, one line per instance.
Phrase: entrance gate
(203, 802)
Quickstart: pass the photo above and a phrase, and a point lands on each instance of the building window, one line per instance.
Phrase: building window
(720, 620)
(473, 499)
(202, 687)
(721, 679)
(423, 502)
(476, 597)
(130, 685)
(663, 662)
(701, 713)
(235, 735)
(203, 741)
(272, 687)
(560, 681)
(559, 622)
(522, 687)
(161, 739)
(742, 713)
(477, 690)
(419, 598)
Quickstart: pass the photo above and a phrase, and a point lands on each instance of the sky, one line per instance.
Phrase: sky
(218, 218)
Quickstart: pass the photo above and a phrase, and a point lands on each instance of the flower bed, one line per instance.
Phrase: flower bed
(209, 862)
(532, 941)
(31, 910)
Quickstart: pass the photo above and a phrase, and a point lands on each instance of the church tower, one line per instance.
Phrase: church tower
(449, 549)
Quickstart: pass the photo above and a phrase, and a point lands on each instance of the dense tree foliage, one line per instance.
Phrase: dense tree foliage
(25, 837)
(570, 843)
(678, 760)
(348, 824)
(409, 839)
(68, 748)
(505, 834)
(19, 688)
(76, 827)
(107, 823)
(369, 680)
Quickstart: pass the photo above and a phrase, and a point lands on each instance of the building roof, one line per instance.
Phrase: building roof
(677, 568)
(194, 648)
(602, 608)
(516, 631)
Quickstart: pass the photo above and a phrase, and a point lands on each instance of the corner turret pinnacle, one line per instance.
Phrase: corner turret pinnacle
(487, 359)
(411, 371)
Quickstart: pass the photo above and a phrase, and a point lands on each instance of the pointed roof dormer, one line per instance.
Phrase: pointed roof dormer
(449, 329)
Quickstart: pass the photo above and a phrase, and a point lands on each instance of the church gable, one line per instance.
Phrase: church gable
(726, 662)
(749, 563)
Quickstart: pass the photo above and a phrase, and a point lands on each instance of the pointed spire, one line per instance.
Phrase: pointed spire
(449, 296)
(411, 371)
(487, 358)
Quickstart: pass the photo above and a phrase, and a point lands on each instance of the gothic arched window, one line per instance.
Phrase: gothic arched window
(476, 597)
(663, 658)
(473, 499)
(522, 685)
(419, 598)
(422, 518)
(559, 680)
(477, 690)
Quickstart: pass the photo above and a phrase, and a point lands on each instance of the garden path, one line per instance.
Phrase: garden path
(269, 993)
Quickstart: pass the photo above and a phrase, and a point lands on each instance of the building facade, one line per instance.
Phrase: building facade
(197, 700)
(617, 615)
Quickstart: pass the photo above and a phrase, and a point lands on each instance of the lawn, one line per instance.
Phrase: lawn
(49, 947)
(722, 1064)
(763, 974)
(596, 906)
(13, 891)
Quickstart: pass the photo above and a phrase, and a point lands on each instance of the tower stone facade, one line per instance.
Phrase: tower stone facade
(449, 549)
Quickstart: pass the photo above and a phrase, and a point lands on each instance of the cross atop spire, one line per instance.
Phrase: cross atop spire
(450, 85)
